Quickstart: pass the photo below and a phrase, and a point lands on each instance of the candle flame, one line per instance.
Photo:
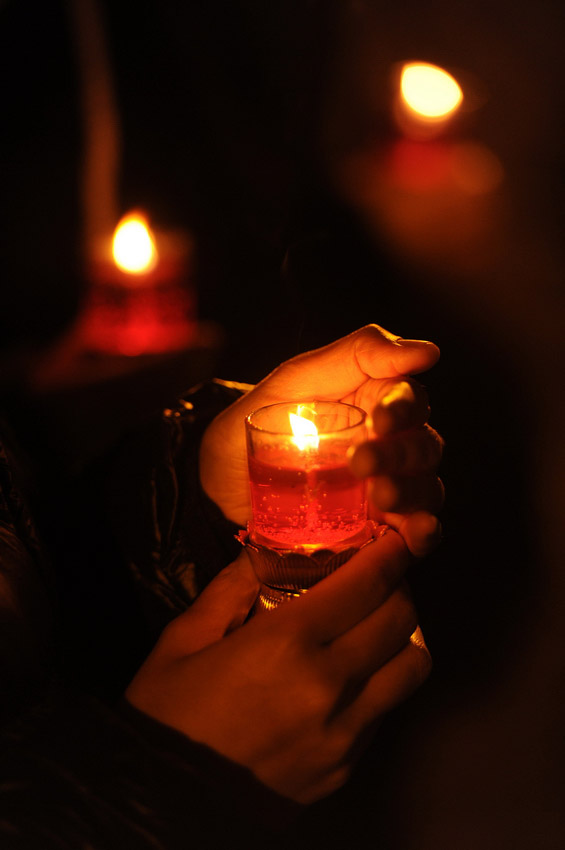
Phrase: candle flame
(133, 246)
(305, 433)
(430, 91)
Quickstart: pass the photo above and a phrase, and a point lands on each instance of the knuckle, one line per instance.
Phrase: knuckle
(338, 778)
(422, 530)
(426, 450)
(172, 635)
(321, 696)
(340, 744)
(318, 692)
(229, 574)
(389, 566)
(435, 442)
(326, 784)
(371, 331)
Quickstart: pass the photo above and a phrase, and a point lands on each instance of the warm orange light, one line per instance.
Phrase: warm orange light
(305, 433)
(133, 246)
(429, 91)
(475, 169)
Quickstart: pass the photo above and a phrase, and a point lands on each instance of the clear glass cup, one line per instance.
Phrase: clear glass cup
(303, 493)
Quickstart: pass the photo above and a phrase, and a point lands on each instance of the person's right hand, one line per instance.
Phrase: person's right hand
(293, 694)
(370, 369)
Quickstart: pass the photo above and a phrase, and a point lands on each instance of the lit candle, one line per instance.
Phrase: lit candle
(428, 99)
(303, 493)
(142, 300)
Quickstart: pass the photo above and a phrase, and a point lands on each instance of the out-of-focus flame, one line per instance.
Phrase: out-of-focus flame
(305, 433)
(133, 245)
(429, 91)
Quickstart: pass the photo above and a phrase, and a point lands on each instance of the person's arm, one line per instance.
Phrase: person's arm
(261, 695)
(295, 694)
(228, 729)
(75, 773)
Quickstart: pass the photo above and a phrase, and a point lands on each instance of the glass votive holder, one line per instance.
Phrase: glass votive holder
(309, 512)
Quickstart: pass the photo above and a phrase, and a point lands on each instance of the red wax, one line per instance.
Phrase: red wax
(150, 320)
(316, 504)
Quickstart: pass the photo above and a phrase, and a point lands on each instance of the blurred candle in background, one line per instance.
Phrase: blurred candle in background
(431, 190)
(133, 246)
(141, 299)
(427, 100)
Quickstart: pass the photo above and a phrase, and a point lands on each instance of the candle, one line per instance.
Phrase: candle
(303, 495)
(141, 300)
(427, 101)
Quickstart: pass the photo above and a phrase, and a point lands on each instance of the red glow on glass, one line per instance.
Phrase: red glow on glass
(308, 505)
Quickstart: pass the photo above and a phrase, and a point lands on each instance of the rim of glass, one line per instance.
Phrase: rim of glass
(324, 434)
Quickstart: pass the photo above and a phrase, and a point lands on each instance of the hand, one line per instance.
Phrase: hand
(368, 368)
(294, 694)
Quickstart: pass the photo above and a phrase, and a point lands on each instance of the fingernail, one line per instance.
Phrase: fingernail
(400, 392)
(393, 408)
(413, 343)
(432, 350)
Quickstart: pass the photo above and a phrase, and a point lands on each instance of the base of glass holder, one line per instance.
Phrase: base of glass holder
(270, 598)
(286, 574)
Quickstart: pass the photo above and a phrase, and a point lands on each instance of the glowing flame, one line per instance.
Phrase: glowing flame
(133, 246)
(430, 91)
(305, 433)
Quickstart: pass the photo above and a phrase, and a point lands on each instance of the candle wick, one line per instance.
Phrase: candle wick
(313, 505)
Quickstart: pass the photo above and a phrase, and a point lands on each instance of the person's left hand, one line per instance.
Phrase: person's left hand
(293, 695)
(369, 369)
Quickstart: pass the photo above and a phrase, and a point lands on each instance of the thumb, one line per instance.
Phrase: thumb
(221, 607)
(341, 367)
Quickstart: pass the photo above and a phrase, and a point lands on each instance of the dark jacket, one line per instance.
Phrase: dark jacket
(86, 585)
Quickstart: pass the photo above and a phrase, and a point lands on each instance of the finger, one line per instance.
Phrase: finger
(421, 531)
(407, 453)
(350, 594)
(364, 649)
(400, 494)
(396, 404)
(221, 607)
(390, 685)
(341, 367)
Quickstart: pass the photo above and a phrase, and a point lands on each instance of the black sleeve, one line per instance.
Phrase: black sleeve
(173, 537)
(77, 775)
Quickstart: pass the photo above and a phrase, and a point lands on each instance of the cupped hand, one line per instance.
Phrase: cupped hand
(369, 369)
(294, 694)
